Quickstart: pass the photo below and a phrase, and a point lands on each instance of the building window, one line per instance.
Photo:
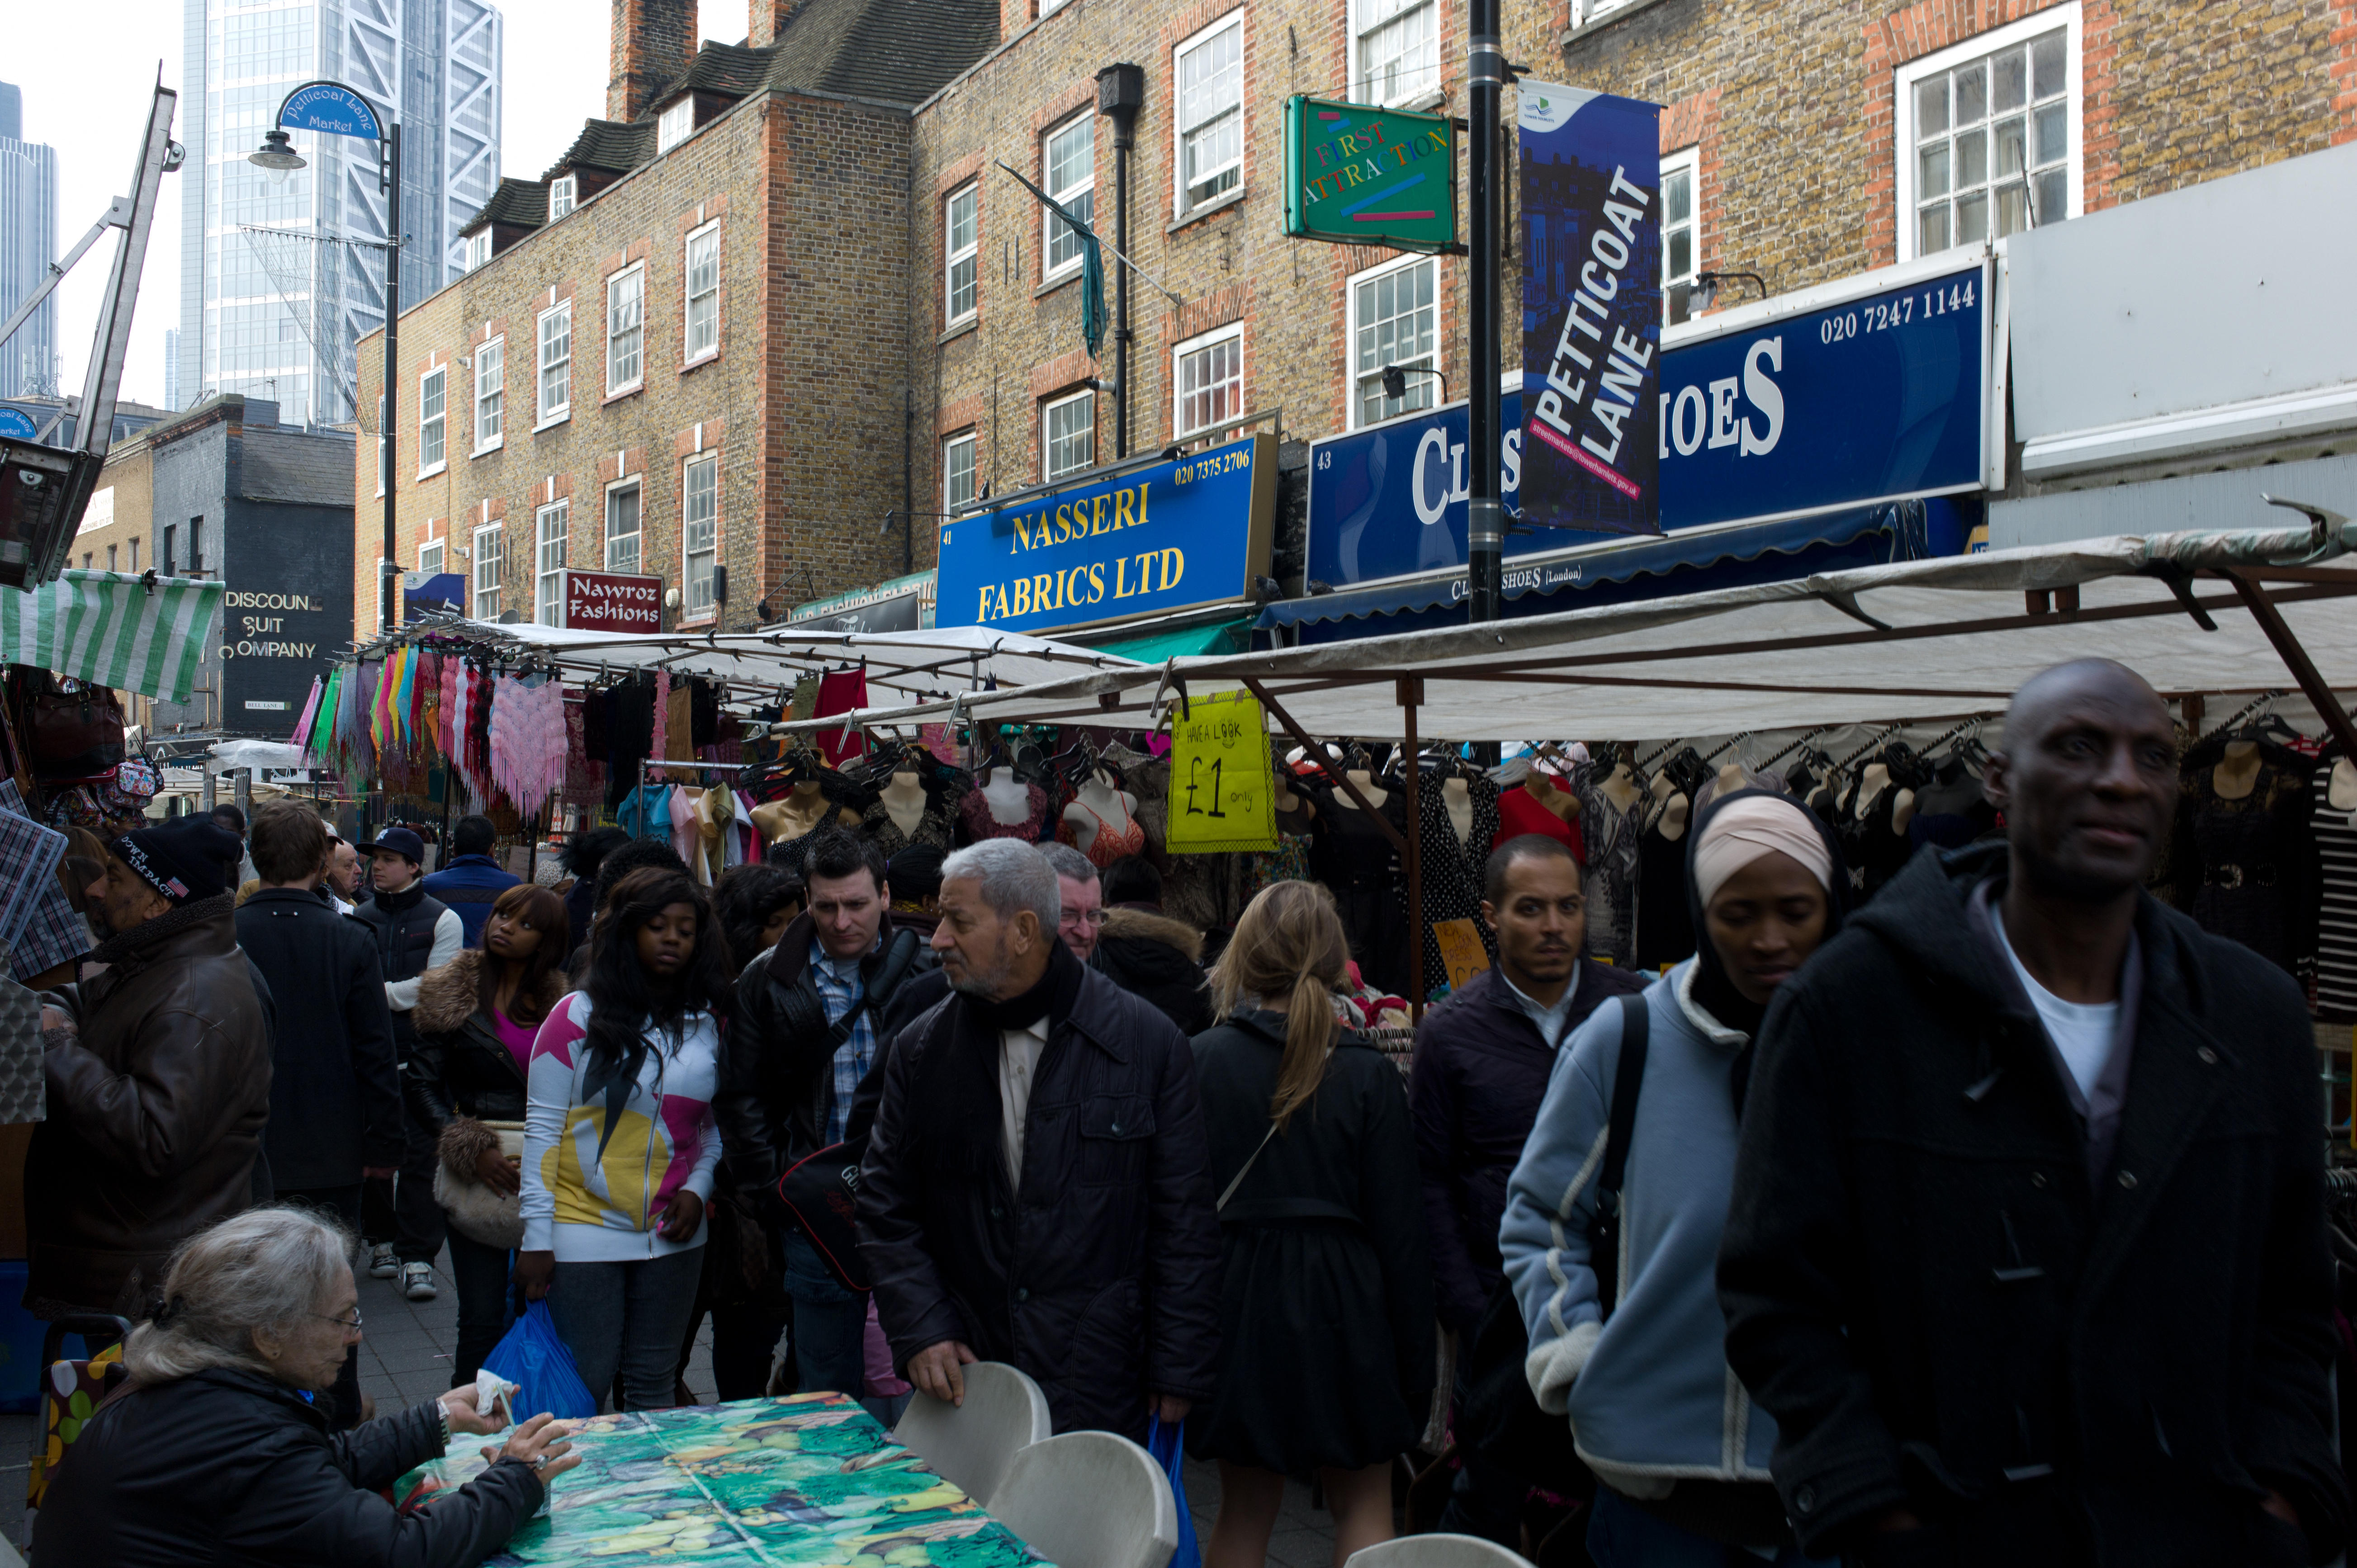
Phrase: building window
(1989, 136)
(1047, 6)
(1207, 380)
(624, 329)
(429, 558)
(1210, 119)
(704, 293)
(87, 557)
(675, 125)
(111, 557)
(1681, 229)
(1395, 57)
(957, 471)
(556, 362)
(699, 531)
(1394, 321)
(1068, 435)
(431, 419)
(1070, 161)
(548, 563)
(486, 572)
(622, 528)
(384, 462)
(196, 546)
(490, 389)
(134, 555)
(562, 197)
(961, 245)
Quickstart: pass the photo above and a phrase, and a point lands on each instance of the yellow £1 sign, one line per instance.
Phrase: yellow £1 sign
(1222, 794)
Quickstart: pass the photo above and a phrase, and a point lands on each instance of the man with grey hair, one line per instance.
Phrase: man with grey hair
(1036, 1189)
(1083, 899)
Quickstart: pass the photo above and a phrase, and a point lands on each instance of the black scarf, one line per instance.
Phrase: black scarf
(956, 1110)
(147, 933)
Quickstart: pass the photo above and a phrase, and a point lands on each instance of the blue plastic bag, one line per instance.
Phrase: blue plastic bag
(1166, 1444)
(534, 1357)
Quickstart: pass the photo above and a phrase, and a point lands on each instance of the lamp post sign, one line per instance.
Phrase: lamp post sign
(332, 107)
(1361, 176)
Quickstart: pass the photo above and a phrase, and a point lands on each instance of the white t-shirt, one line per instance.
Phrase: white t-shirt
(2082, 1031)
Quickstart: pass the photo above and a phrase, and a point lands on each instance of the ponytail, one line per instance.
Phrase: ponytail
(1289, 943)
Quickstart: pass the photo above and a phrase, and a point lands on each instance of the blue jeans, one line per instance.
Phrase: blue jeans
(627, 1317)
(830, 1322)
(1622, 1535)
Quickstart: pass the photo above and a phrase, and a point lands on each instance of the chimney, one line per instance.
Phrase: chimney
(653, 43)
(767, 20)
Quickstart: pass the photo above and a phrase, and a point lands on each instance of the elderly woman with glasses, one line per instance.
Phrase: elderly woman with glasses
(214, 1451)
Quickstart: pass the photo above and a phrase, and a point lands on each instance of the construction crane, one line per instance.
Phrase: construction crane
(43, 489)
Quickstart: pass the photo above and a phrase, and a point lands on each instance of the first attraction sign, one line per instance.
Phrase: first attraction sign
(1362, 176)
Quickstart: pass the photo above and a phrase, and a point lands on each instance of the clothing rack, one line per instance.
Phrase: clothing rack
(647, 762)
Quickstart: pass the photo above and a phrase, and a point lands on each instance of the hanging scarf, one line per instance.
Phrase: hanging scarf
(302, 735)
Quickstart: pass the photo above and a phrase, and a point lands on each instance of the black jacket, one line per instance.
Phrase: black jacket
(1942, 1312)
(777, 1083)
(404, 925)
(335, 1092)
(230, 1467)
(460, 1067)
(1157, 960)
(1104, 1282)
(1481, 1068)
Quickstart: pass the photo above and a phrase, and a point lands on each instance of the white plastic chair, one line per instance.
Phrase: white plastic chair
(1437, 1552)
(1090, 1499)
(971, 1445)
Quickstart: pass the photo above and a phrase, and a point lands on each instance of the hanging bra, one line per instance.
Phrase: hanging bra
(1105, 847)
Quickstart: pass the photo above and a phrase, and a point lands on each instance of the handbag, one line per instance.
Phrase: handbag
(821, 1191)
(75, 735)
(482, 1216)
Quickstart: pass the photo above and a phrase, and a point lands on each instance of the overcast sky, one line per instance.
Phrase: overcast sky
(86, 97)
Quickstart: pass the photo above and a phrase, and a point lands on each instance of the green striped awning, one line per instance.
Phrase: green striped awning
(106, 627)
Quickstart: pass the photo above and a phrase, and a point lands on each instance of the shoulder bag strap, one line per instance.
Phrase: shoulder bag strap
(1627, 1078)
(1254, 1157)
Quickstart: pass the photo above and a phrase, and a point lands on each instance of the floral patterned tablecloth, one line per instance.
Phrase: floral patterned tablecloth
(756, 1484)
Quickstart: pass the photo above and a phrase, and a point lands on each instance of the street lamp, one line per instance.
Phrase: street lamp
(341, 111)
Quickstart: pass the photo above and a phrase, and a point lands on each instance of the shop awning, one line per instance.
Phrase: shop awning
(112, 628)
(1226, 636)
(1560, 582)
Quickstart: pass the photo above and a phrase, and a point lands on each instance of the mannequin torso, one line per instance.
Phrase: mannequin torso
(1457, 796)
(1009, 797)
(1366, 783)
(2237, 773)
(1099, 805)
(904, 800)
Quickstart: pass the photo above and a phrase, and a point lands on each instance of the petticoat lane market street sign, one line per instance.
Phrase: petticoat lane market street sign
(1360, 175)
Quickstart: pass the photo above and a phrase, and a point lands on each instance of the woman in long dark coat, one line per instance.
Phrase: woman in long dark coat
(1326, 1311)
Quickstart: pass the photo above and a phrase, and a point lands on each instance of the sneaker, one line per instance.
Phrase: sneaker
(418, 1281)
(382, 1265)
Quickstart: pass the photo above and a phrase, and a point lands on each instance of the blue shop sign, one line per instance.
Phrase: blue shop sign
(1877, 398)
(1134, 543)
(332, 107)
(16, 422)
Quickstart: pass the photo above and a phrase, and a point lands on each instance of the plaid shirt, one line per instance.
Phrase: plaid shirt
(840, 987)
(51, 932)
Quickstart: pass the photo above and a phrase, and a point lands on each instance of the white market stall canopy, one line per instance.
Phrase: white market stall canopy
(903, 667)
(113, 629)
(1923, 640)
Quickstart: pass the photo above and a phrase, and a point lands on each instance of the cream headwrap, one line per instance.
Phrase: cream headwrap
(1742, 831)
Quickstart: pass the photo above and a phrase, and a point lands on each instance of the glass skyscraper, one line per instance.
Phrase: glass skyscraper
(278, 282)
(28, 244)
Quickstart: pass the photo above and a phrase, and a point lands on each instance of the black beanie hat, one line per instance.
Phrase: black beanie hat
(187, 859)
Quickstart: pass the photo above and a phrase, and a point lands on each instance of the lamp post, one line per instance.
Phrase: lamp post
(1485, 74)
(337, 110)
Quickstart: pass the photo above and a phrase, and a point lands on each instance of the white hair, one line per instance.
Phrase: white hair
(1070, 863)
(263, 1269)
(1014, 875)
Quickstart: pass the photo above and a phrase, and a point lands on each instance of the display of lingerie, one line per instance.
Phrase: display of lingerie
(1459, 809)
(2244, 854)
(1612, 825)
(1356, 861)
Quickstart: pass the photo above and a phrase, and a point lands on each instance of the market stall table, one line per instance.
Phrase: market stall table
(753, 1484)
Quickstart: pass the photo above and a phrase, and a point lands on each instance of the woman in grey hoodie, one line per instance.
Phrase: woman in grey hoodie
(1671, 1434)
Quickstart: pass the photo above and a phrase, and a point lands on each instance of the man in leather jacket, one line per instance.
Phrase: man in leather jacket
(807, 1030)
(158, 1079)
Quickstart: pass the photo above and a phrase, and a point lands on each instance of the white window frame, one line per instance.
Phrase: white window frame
(691, 607)
(491, 398)
(382, 459)
(430, 554)
(1182, 203)
(1430, 384)
(1047, 6)
(691, 352)
(489, 557)
(564, 196)
(628, 341)
(1902, 87)
(478, 249)
(552, 412)
(433, 392)
(1047, 411)
(966, 442)
(970, 255)
(1049, 222)
(1368, 17)
(675, 125)
(1688, 161)
(1203, 343)
(634, 484)
(547, 581)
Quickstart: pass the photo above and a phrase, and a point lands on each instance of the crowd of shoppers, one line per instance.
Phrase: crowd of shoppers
(1980, 1224)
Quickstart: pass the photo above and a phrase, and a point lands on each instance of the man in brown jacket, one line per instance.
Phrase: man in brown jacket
(158, 1069)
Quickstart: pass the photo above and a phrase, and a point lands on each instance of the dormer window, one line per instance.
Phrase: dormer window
(478, 249)
(677, 123)
(561, 196)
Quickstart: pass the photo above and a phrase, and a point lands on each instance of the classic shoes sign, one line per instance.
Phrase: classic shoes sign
(1138, 541)
(612, 601)
(1362, 176)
